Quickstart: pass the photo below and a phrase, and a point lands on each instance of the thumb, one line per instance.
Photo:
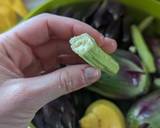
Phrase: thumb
(44, 89)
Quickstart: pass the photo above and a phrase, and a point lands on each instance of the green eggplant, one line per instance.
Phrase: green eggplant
(130, 81)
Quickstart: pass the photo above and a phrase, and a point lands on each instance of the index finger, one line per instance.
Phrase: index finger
(40, 29)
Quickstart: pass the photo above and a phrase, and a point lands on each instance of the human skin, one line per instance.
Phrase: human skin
(30, 59)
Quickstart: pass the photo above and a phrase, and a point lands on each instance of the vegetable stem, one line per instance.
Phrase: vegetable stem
(85, 46)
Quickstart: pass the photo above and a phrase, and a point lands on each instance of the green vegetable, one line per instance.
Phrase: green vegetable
(145, 113)
(53, 4)
(31, 126)
(152, 7)
(85, 46)
(157, 82)
(118, 88)
(145, 23)
(143, 50)
(131, 80)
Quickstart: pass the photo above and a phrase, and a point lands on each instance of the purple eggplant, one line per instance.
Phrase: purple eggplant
(60, 113)
(154, 45)
(146, 113)
(130, 82)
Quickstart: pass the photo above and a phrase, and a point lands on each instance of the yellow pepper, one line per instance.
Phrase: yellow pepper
(103, 114)
(10, 12)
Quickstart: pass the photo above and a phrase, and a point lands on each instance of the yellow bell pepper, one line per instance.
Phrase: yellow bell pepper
(8, 18)
(103, 114)
(10, 12)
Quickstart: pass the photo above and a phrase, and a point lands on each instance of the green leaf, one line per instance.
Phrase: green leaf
(152, 7)
(53, 4)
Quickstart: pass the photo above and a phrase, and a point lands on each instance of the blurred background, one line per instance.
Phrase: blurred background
(135, 25)
(13, 11)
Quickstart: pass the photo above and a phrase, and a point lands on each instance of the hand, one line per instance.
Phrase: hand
(30, 59)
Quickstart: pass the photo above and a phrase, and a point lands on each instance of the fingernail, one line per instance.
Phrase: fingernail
(112, 44)
(91, 74)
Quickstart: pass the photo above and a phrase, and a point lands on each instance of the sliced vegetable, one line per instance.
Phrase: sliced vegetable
(143, 50)
(103, 114)
(130, 81)
(145, 114)
(85, 46)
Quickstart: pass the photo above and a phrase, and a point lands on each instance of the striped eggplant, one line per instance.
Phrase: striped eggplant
(130, 81)
(146, 113)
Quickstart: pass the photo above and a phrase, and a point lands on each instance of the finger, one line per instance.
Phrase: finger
(107, 44)
(52, 49)
(19, 54)
(7, 64)
(63, 48)
(35, 68)
(72, 27)
(50, 64)
(44, 89)
(41, 28)
(70, 59)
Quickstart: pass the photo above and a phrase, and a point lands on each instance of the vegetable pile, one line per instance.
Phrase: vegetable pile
(130, 81)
